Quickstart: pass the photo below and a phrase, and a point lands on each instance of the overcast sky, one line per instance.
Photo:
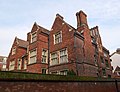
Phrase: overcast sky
(18, 16)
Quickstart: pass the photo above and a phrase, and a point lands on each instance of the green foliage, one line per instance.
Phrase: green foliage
(44, 77)
(71, 72)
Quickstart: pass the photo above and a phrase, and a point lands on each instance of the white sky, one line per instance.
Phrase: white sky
(18, 16)
(116, 60)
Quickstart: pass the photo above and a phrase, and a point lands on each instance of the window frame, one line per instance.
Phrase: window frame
(106, 63)
(25, 64)
(103, 72)
(45, 70)
(33, 37)
(54, 59)
(102, 59)
(44, 56)
(20, 64)
(12, 65)
(34, 56)
(58, 37)
(13, 50)
(65, 72)
(64, 55)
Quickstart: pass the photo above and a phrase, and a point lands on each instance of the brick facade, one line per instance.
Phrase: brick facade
(15, 60)
(40, 44)
(65, 48)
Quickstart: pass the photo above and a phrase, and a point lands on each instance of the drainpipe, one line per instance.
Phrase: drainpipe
(48, 53)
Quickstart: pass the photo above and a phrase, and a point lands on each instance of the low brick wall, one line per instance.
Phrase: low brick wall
(57, 86)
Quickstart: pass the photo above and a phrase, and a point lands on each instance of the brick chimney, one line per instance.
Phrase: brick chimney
(81, 19)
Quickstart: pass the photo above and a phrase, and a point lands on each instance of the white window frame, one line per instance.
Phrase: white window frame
(33, 37)
(54, 59)
(58, 37)
(63, 55)
(13, 50)
(33, 56)
(12, 65)
(44, 55)
(64, 72)
(19, 64)
(54, 72)
(25, 64)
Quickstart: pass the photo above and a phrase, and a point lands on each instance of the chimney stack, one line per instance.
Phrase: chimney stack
(81, 19)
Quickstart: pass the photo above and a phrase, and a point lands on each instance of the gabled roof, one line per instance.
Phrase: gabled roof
(117, 68)
(44, 30)
(22, 43)
(60, 17)
(41, 29)
(105, 49)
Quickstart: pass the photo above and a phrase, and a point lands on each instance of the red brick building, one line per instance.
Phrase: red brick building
(38, 49)
(65, 48)
(17, 59)
(78, 49)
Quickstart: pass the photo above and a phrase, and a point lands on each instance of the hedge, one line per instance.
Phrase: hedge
(7, 75)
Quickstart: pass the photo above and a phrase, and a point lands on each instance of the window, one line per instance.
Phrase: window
(19, 64)
(44, 56)
(106, 62)
(25, 64)
(96, 32)
(64, 72)
(54, 59)
(55, 72)
(63, 56)
(95, 59)
(91, 33)
(102, 60)
(103, 72)
(44, 71)
(12, 65)
(13, 51)
(33, 56)
(58, 37)
(34, 37)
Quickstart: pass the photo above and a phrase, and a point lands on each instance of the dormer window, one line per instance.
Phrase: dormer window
(13, 51)
(33, 37)
(58, 37)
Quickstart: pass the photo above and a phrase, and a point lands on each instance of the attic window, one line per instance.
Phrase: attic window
(33, 37)
(13, 50)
